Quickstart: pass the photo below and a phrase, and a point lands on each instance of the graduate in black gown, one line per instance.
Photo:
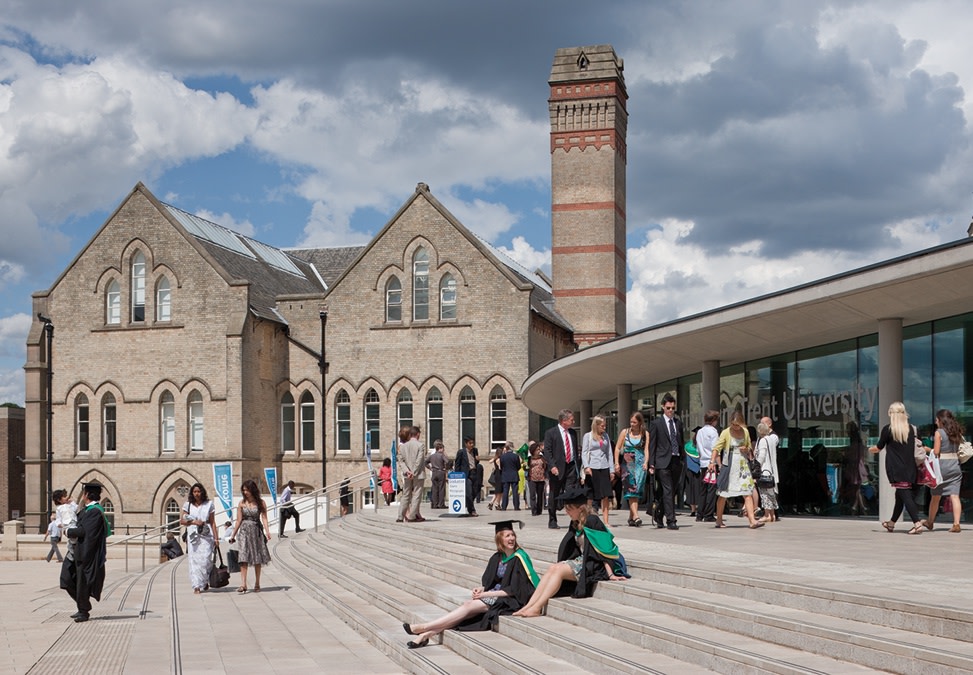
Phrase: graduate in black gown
(508, 583)
(587, 554)
(83, 577)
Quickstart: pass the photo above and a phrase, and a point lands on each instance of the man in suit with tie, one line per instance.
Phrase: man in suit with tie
(665, 459)
(563, 456)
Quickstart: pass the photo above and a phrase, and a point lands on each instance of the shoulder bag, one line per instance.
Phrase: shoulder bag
(964, 451)
(219, 575)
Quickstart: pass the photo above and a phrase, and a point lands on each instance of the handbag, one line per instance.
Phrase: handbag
(964, 451)
(754, 466)
(766, 479)
(920, 449)
(925, 475)
(709, 478)
(219, 575)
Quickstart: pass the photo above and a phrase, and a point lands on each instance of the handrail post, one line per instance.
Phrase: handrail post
(145, 531)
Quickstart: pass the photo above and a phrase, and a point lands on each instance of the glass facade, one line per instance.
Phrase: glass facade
(825, 406)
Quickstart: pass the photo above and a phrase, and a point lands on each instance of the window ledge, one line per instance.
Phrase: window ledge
(449, 323)
(111, 327)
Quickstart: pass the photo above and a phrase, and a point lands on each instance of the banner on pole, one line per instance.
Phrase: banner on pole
(223, 482)
(270, 475)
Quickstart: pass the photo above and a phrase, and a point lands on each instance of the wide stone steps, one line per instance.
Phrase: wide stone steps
(670, 643)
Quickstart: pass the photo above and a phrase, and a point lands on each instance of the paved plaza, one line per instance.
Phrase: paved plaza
(152, 623)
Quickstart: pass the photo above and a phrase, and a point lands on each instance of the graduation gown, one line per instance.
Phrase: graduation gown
(84, 577)
(598, 548)
(518, 581)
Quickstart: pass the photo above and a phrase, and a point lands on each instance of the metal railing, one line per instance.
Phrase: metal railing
(318, 503)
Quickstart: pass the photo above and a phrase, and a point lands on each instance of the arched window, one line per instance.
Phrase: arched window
(447, 297)
(404, 408)
(393, 300)
(498, 417)
(372, 421)
(109, 508)
(287, 422)
(113, 304)
(108, 420)
(307, 422)
(342, 422)
(195, 422)
(467, 414)
(82, 424)
(172, 515)
(163, 300)
(167, 422)
(434, 416)
(420, 285)
(138, 287)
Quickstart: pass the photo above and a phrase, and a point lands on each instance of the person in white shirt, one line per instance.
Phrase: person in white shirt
(706, 437)
(54, 532)
(288, 510)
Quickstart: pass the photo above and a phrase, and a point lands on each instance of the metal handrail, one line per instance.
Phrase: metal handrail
(314, 497)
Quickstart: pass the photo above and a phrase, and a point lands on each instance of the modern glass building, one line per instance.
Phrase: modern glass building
(823, 360)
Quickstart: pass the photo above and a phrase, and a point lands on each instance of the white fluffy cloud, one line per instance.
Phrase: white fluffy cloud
(13, 351)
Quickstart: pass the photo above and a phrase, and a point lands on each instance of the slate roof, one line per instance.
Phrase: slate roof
(329, 262)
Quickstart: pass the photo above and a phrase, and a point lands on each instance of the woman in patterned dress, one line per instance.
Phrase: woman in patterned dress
(631, 463)
(730, 454)
(251, 513)
(199, 517)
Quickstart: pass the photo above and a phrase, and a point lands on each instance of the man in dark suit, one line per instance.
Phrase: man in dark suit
(463, 464)
(563, 456)
(510, 475)
(666, 459)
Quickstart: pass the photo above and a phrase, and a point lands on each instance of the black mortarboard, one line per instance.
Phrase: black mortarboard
(504, 525)
(94, 487)
(573, 495)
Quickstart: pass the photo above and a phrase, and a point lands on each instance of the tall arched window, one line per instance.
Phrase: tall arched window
(420, 285)
(404, 408)
(372, 421)
(467, 414)
(163, 300)
(113, 303)
(138, 287)
(287, 423)
(167, 422)
(393, 300)
(447, 297)
(108, 420)
(342, 422)
(109, 508)
(434, 416)
(498, 417)
(195, 422)
(172, 515)
(307, 422)
(82, 424)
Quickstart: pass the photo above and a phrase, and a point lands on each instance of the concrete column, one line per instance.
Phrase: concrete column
(624, 394)
(711, 385)
(889, 391)
(584, 419)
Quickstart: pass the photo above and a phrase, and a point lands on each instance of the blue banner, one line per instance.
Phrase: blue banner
(395, 474)
(270, 475)
(223, 482)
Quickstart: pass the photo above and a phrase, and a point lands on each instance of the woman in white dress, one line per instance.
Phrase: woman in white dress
(730, 454)
(199, 517)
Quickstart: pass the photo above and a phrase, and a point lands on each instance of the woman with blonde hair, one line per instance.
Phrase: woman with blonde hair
(596, 458)
(733, 468)
(898, 439)
(946, 442)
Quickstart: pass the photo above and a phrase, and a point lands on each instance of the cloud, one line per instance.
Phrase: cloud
(13, 350)
(528, 256)
(244, 227)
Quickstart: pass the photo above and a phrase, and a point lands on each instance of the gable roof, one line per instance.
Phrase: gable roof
(541, 295)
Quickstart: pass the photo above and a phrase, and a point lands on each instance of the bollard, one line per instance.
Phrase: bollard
(12, 529)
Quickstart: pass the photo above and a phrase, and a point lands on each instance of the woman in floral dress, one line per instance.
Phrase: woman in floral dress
(730, 454)
(250, 515)
(631, 463)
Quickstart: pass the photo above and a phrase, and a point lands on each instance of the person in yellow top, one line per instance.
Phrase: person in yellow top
(731, 454)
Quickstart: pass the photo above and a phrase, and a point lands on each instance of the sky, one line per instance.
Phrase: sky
(769, 143)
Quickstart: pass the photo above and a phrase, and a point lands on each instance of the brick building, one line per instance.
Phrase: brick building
(180, 344)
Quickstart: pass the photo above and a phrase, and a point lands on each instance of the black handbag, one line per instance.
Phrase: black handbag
(766, 479)
(755, 469)
(219, 575)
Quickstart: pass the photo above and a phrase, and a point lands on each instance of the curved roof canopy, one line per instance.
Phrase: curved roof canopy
(931, 284)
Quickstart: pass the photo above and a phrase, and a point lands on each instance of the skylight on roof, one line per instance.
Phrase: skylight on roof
(211, 232)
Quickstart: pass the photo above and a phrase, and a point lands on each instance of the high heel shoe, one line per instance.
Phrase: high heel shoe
(407, 627)
(416, 645)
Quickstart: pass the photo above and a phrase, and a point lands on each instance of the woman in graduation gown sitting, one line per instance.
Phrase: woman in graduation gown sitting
(587, 554)
(508, 583)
